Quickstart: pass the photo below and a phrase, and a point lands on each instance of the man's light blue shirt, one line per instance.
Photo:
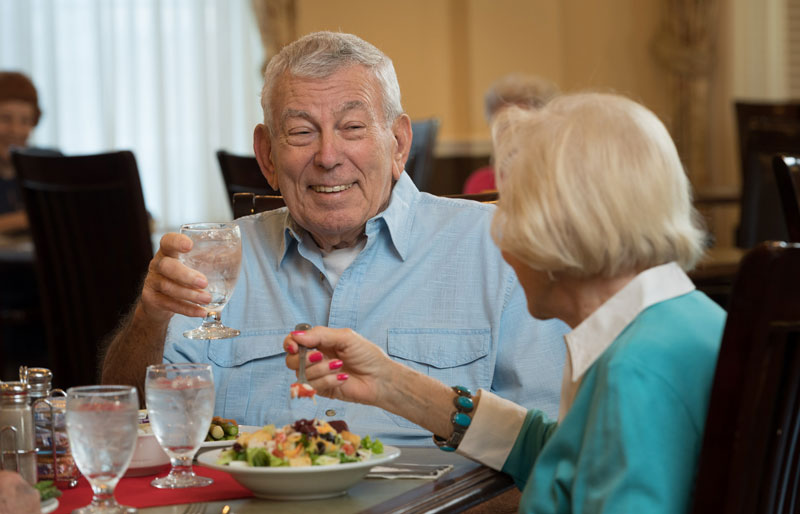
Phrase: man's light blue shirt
(430, 288)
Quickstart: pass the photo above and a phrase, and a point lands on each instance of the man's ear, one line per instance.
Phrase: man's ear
(401, 129)
(262, 145)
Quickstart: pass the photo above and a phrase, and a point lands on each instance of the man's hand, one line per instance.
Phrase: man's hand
(170, 287)
(16, 495)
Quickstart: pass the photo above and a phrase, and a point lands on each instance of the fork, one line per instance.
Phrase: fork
(301, 375)
(301, 353)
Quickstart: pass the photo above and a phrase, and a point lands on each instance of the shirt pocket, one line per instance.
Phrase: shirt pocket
(452, 356)
(248, 346)
(251, 375)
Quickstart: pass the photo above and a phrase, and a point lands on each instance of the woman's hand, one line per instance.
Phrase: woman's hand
(345, 366)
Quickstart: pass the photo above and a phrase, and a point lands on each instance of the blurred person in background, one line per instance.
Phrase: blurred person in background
(19, 114)
(525, 91)
(595, 216)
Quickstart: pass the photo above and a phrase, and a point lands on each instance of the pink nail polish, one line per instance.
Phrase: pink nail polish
(298, 332)
(291, 350)
(342, 376)
(315, 357)
(335, 364)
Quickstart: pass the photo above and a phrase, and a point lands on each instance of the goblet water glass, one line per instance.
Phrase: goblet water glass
(180, 403)
(102, 426)
(216, 253)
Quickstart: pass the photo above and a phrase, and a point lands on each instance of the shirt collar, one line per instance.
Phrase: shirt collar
(397, 217)
(595, 334)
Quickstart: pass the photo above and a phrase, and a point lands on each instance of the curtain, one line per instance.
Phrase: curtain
(171, 80)
(276, 23)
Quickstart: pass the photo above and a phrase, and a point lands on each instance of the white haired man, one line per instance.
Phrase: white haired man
(357, 247)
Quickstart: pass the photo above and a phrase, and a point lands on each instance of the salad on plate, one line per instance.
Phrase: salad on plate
(306, 442)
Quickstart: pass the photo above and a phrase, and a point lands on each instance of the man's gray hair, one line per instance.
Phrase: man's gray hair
(321, 54)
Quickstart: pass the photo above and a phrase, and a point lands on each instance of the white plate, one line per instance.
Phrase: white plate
(302, 482)
(49, 505)
(229, 442)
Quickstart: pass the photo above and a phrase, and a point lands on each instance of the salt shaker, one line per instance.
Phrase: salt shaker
(17, 451)
(54, 455)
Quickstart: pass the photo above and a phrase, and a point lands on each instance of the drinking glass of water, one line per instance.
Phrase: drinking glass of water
(102, 428)
(180, 403)
(217, 254)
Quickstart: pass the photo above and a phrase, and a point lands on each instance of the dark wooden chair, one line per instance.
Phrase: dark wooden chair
(487, 197)
(242, 175)
(245, 204)
(765, 129)
(419, 165)
(750, 457)
(92, 242)
(787, 177)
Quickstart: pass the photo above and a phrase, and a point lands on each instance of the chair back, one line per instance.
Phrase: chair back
(242, 174)
(419, 165)
(787, 177)
(765, 129)
(750, 457)
(92, 241)
(245, 204)
(487, 197)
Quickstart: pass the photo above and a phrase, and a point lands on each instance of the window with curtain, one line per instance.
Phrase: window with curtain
(171, 80)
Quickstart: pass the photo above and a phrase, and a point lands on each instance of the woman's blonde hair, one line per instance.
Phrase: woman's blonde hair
(592, 185)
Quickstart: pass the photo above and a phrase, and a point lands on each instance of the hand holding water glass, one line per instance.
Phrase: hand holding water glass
(102, 426)
(180, 403)
(216, 253)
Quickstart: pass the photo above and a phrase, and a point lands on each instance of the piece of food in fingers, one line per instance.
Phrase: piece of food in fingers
(301, 390)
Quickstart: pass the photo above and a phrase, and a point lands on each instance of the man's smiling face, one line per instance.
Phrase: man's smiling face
(332, 154)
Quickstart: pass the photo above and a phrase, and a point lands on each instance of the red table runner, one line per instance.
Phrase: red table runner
(137, 492)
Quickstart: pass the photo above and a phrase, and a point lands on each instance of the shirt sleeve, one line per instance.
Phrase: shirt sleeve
(487, 441)
(638, 449)
(534, 433)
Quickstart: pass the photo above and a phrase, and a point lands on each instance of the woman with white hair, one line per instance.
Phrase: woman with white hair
(595, 217)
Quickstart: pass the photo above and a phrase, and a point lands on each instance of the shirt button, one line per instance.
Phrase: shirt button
(330, 412)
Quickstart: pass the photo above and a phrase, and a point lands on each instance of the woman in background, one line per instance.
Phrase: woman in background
(515, 89)
(19, 114)
(595, 216)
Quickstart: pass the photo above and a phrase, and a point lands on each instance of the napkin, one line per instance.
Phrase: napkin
(408, 470)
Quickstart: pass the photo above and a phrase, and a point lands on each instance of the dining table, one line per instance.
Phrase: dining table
(466, 484)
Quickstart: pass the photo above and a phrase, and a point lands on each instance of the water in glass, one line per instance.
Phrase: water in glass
(102, 429)
(180, 404)
(216, 253)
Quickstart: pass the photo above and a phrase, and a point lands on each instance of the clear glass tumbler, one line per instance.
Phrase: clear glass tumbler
(216, 253)
(180, 404)
(102, 430)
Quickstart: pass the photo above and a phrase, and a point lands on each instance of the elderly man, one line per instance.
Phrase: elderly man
(358, 247)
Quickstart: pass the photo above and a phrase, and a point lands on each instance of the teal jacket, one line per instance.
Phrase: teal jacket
(631, 440)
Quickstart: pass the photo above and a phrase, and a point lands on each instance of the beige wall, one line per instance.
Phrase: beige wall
(447, 52)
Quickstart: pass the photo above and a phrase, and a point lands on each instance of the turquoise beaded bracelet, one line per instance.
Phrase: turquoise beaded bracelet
(460, 419)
